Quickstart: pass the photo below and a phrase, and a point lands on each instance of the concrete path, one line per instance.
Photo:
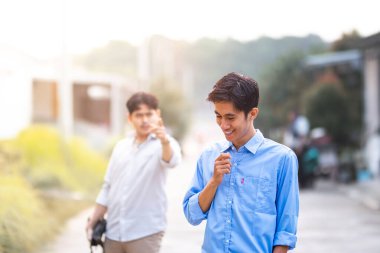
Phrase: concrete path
(330, 221)
(180, 236)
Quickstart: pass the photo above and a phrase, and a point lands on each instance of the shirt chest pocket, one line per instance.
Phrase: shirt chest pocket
(255, 193)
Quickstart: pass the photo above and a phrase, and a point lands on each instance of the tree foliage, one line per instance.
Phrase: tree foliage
(327, 106)
(346, 41)
(282, 91)
(118, 57)
(209, 59)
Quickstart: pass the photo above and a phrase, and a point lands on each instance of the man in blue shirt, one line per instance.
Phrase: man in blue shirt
(246, 186)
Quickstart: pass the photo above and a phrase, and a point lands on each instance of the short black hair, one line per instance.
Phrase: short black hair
(241, 90)
(140, 98)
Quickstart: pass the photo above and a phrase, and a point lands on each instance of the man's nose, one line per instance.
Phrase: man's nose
(145, 118)
(224, 124)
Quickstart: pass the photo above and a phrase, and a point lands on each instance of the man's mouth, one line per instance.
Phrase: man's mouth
(228, 133)
(145, 126)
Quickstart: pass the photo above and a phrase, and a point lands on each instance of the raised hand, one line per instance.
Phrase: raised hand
(160, 131)
(222, 166)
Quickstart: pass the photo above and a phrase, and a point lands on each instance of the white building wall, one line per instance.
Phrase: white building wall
(15, 99)
(371, 108)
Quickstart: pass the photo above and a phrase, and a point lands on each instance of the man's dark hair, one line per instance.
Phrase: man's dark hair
(241, 90)
(140, 98)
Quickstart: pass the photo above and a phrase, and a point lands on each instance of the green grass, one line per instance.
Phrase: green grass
(39, 173)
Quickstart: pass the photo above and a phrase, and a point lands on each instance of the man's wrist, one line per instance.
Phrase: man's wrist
(166, 141)
(213, 183)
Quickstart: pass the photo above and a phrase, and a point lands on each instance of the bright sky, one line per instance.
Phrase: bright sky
(39, 26)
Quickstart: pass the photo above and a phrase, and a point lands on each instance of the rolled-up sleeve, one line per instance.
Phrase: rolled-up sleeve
(191, 208)
(176, 156)
(287, 202)
(103, 194)
(102, 197)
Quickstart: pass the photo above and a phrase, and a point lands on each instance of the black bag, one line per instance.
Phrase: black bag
(97, 234)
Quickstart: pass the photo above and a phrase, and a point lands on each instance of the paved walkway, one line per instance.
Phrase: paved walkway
(330, 214)
(180, 236)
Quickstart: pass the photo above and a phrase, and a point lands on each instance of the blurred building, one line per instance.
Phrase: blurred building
(365, 58)
(370, 47)
(78, 102)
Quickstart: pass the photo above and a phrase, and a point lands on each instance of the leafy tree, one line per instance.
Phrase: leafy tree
(283, 87)
(327, 106)
(117, 57)
(211, 59)
(346, 41)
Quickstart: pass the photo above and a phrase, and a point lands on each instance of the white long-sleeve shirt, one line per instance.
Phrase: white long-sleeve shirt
(134, 188)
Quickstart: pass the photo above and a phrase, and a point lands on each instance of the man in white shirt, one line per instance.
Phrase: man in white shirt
(133, 194)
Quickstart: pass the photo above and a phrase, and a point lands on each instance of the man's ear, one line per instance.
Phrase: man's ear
(254, 113)
(158, 112)
(128, 117)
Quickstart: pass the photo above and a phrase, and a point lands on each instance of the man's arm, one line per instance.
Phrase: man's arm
(99, 212)
(167, 151)
(100, 208)
(287, 202)
(199, 197)
(222, 166)
(160, 132)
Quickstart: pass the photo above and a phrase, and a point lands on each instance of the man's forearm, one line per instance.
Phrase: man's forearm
(167, 151)
(207, 196)
(99, 212)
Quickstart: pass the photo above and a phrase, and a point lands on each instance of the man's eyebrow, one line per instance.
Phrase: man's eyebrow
(226, 115)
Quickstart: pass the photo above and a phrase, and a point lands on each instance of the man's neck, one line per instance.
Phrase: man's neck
(249, 136)
(140, 138)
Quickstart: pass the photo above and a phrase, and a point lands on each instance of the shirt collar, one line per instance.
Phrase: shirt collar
(149, 138)
(252, 145)
(255, 142)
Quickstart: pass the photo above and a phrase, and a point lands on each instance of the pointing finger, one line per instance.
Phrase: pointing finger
(160, 122)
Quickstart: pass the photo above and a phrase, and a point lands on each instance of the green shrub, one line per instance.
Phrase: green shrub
(24, 223)
(49, 161)
(86, 166)
(39, 172)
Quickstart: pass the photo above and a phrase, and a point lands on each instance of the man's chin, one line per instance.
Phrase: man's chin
(143, 132)
(228, 137)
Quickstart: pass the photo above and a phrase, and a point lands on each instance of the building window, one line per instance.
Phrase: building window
(45, 101)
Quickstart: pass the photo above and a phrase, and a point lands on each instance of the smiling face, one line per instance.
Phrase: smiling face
(236, 126)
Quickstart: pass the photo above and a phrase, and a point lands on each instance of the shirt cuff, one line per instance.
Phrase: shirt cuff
(285, 239)
(102, 198)
(174, 161)
(195, 210)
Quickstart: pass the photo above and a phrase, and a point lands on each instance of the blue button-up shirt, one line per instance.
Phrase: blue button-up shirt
(256, 206)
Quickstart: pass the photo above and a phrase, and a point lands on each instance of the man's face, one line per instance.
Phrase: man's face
(237, 128)
(143, 118)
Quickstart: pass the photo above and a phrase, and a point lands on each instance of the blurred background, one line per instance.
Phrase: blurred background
(68, 67)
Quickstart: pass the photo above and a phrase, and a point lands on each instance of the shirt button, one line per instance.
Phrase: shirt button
(227, 241)
(228, 221)
(229, 202)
